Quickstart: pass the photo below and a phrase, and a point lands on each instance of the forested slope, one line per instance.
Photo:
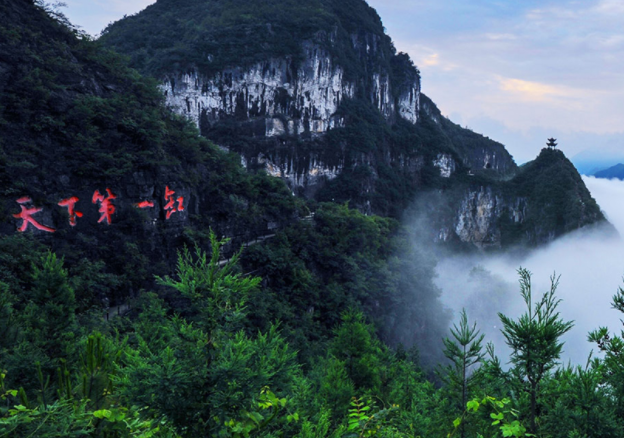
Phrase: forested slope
(330, 328)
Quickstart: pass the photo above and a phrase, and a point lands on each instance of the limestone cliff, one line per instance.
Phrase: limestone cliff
(282, 97)
(316, 94)
(546, 199)
(335, 100)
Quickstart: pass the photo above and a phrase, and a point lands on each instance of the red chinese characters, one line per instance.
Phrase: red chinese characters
(70, 203)
(170, 207)
(144, 204)
(26, 216)
(106, 206)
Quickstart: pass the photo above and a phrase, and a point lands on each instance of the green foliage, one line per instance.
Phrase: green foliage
(535, 341)
(355, 345)
(254, 422)
(216, 293)
(9, 328)
(504, 418)
(74, 412)
(210, 36)
(75, 118)
(558, 199)
(342, 260)
(213, 370)
(464, 352)
(52, 305)
(579, 402)
(97, 371)
(70, 419)
(363, 421)
(611, 366)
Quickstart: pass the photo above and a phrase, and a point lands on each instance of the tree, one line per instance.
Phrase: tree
(52, 310)
(217, 294)
(464, 351)
(535, 340)
(552, 143)
(205, 376)
(356, 346)
(612, 364)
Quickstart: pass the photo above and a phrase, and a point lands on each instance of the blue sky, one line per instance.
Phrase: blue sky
(516, 71)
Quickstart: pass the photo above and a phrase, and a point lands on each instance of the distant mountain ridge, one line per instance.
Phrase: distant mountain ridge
(616, 171)
(598, 158)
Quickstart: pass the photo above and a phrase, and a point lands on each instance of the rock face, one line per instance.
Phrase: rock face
(446, 164)
(310, 178)
(478, 216)
(546, 199)
(478, 153)
(283, 97)
(320, 98)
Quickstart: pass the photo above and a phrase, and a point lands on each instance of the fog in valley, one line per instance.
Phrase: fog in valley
(589, 261)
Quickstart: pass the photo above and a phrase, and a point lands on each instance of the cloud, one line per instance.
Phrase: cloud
(610, 7)
(500, 36)
(550, 64)
(430, 60)
(590, 262)
(533, 91)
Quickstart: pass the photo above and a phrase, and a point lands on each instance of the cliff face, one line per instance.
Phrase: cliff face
(477, 219)
(478, 153)
(316, 94)
(546, 199)
(284, 99)
(336, 100)
(288, 97)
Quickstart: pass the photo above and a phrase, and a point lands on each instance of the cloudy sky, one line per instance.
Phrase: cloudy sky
(518, 72)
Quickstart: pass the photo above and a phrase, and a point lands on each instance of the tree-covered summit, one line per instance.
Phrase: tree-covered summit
(210, 35)
(558, 198)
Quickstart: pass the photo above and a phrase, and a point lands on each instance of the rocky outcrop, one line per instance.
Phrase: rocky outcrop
(478, 218)
(290, 99)
(285, 96)
(308, 179)
(546, 199)
(446, 164)
(478, 153)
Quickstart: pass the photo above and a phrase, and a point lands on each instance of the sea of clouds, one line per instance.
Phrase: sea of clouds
(590, 263)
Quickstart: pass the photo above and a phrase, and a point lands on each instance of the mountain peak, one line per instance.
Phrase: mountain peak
(315, 93)
(209, 36)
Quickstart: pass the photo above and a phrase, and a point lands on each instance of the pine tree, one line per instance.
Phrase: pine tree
(52, 312)
(216, 291)
(612, 347)
(464, 351)
(535, 340)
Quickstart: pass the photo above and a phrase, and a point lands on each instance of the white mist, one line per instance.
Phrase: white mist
(590, 263)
